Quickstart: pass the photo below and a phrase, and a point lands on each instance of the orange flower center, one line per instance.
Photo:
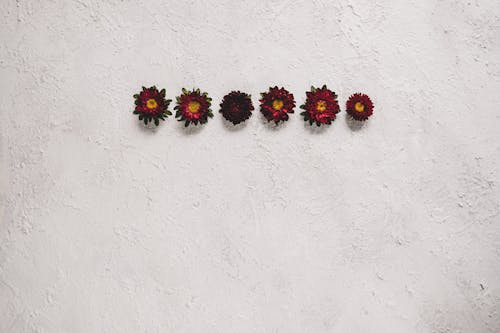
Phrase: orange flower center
(151, 103)
(193, 106)
(321, 106)
(360, 107)
(277, 104)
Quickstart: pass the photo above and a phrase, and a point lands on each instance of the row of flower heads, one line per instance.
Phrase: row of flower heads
(193, 106)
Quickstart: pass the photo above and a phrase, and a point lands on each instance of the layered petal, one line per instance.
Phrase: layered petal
(151, 105)
(276, 104)
(236, 107)
(359, 106)
(193, 107)
(321, 106)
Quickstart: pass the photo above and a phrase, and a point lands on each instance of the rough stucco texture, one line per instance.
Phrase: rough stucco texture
(107, 226)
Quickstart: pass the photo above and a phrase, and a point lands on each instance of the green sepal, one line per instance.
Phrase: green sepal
(186, 124)
(157, 121)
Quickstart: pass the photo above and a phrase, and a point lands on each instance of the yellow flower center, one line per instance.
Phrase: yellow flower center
(151, 103)
(277, 104)
(193, 106)
(321, 106)
(360, 107)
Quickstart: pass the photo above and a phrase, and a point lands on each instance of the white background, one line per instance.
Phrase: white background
(107, 226)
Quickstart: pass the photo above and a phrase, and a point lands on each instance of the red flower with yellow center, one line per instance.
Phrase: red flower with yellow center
(236, 107)
(193, 107)
(151, 105)
(359, 106)
(321, 106)
(276, 104)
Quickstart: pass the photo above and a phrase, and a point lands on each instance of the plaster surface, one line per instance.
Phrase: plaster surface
(106, 226)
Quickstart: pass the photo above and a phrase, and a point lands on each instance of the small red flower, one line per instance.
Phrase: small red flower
(193, 107)
(276, 104)
(321, 106)
(236, 107)
(359, 106)
(151, 105)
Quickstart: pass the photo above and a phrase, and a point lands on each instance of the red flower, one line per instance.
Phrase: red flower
(236, 107)
(193, 107)
(276, 104)
(150, 104)
(359, 106)
(321, 106)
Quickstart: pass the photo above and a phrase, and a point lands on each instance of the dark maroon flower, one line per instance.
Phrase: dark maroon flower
(321, 106)
(151, 105)
(236, 107)
(359, 106)
(276, 104)
(193, 107)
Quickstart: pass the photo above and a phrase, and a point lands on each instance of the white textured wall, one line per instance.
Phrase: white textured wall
(109, 227)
